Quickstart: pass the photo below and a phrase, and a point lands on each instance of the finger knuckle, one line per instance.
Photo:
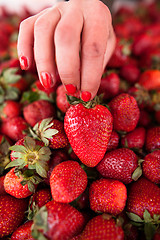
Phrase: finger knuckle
(93, 50)
(64, 33)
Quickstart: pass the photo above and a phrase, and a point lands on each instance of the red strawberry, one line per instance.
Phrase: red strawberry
(109, 85)
(119, 164)
(130, 72)
(61, 99)
(31, 154)
(15, 128)
(102, 227)
(38, 110)
(2, 190)
(143, 195)
(150, 58)
(152, 139)
(20, 184)
(151, 166)
(113, 141)
(144, 119)
(23, 232)
(125, 112)
(67, 181)
(134, 139)
(150, 79)
(51, 132)
(10, 109)
(59, 221)
(12, 212)
(88, 131)
(107, 195)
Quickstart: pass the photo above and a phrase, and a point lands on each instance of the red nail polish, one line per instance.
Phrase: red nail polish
(86, 96)
(23, 63)
(70, 88)
(46, 80)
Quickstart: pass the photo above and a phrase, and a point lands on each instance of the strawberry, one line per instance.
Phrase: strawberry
(38, 110)
(152, 138)
(67, 181)
(61, 99)
(150, 79)
(2, 190)
(102, 227)
(12, 212)
(150, 59)
(119, 164)
(144, 119)
(125, 112)
(51, 132)
(20, 184)
(23, 232)
(151, 166)
(88, 131)
(38, 200)
(107, 195)
(134, 139)
(10, 109)
(143, 195)
(59, 221)
(109, 85)
(113, 141)
(31, 154)
(130, 73)
(19, 128)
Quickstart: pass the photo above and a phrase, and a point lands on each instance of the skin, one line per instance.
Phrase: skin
(61, 32)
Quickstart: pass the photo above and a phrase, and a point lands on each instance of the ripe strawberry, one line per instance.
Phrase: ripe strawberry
(67, 181)
(2, 190)
(61, 99)
(150, 79)
(57, 157)
(144, 119)
(51, 132)
(134, 139)
(59, 221)
(143, 195)
(88, 131)
(15, 128)
(102, 227)
(107, 196)
(113, 141)
(125, 112)
(152, 138)
(23, 232)
(10, 109)
(119, 164)
(20, 184)
(151, 166)
(12, 212)
(38, 110)
(130, 73)
(150, 59)
(31, 154)
(109, 85)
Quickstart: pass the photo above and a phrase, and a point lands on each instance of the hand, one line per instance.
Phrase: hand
(77, 37)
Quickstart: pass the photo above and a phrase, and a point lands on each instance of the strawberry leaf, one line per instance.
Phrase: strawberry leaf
(10, 75)
(41, 171)
(134, 217)
(149, 230)
(30, 143)
(18, 148)
(147, 216)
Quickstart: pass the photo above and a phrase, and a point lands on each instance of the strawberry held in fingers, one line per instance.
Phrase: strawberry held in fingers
(67, 181)
(107, 195)
(125, 112)
(88, 127)
(51, 132)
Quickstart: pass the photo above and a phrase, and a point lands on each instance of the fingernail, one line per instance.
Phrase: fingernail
(71, 88)
(86, 96)
(46, 79)
(23, 63)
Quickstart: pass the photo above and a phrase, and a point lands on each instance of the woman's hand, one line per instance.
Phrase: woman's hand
(76, 36)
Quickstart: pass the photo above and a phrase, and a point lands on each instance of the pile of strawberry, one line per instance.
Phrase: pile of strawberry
(75, 170)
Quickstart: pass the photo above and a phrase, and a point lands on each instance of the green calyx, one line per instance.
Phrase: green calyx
(31, 155)
(4, 154)
(138, 171)
(29, 177)
(44, 131)
(97, 100)
(40, 224)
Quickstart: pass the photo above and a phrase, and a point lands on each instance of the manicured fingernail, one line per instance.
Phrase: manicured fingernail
(46, 79)
(70, 88)
(86, 96)
(23, 63)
